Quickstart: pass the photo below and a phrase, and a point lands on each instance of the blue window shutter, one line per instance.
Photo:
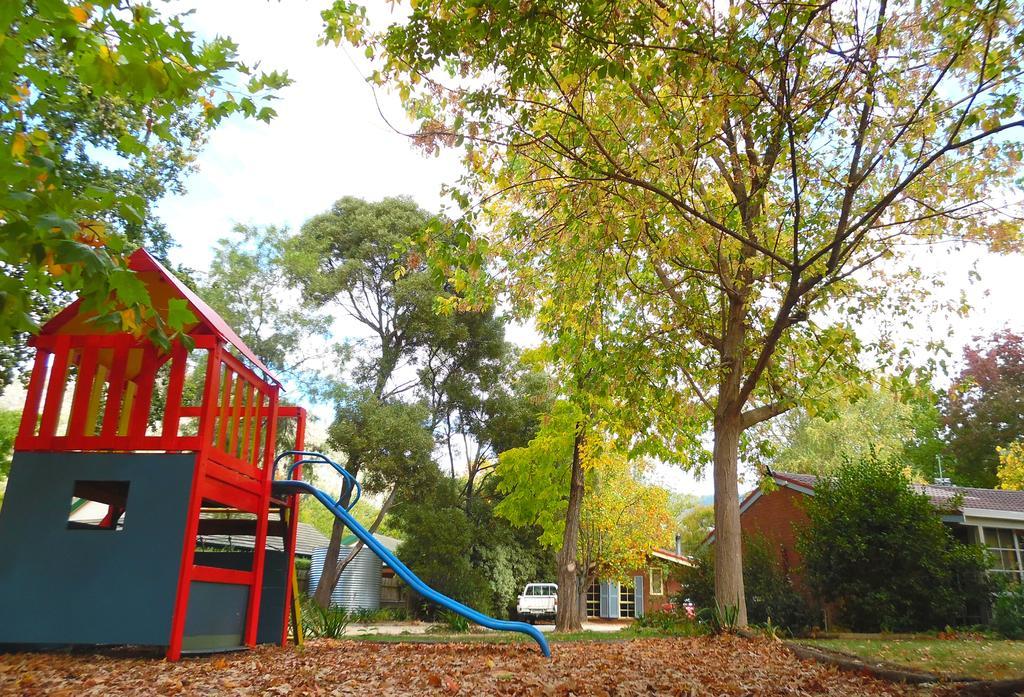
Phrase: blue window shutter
(613, 600)
(638, 590)
(603, 593)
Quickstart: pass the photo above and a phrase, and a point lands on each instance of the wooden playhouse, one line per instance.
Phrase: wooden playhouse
(172, 445)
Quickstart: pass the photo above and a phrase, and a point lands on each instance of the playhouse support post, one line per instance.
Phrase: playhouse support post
(260, 544)
(195, 504)
(293, 528)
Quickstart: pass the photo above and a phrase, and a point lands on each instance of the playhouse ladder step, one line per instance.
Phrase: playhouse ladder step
(208, 652)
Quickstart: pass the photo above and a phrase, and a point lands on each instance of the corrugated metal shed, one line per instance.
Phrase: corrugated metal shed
(359, 585)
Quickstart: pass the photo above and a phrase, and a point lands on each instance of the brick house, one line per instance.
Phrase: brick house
(653, 587)
(991, 517)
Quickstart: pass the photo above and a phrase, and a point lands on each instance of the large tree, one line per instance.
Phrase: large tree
(105, 105)
(415, 365)
(247, 285)
(984, 407)
(879, 421)
(740, 182)
(621, 517)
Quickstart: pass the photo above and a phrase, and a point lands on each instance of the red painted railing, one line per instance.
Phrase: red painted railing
(112, 384)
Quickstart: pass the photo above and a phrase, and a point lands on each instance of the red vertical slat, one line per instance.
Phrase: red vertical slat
(250, 395)
(271, 440)
(224, 407)
(175, 388)
(236, 414)
(30, 415)
(144, 394)
(112, 412)
(55, 390)
(257, 446)
(83, 393)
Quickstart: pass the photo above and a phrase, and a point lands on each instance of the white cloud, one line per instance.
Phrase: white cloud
(328, 141)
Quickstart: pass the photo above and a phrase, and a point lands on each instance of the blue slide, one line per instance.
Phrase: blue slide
(284, 487)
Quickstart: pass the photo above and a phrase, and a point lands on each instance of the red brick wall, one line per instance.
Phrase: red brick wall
(777, 516)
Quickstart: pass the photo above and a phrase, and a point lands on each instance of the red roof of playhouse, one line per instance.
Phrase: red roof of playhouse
(162, 285)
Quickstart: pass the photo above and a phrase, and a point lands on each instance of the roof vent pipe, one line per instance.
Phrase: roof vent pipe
(679, 544)
(940, 480)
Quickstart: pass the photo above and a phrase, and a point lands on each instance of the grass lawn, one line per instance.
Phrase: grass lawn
(979, 658)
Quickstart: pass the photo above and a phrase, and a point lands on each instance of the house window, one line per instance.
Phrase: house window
(1005, 548)
(594, 600)
(627, 601)
(109, 515)
(657, 581)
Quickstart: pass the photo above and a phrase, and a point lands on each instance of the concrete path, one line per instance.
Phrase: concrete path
(398, 628)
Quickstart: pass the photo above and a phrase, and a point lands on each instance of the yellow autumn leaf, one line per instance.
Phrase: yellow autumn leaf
(18, 145)
(80, 13)
(128, 321)
(92, 233)
(53, 267)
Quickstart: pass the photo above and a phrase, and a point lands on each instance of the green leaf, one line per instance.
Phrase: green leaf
(179, 314)
(129, 287)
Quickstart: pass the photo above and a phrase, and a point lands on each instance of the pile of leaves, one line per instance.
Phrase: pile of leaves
(725, 665)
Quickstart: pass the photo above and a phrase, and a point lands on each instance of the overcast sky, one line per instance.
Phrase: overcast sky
(330, 140)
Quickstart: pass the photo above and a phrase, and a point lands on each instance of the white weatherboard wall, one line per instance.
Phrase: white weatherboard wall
(359, 585)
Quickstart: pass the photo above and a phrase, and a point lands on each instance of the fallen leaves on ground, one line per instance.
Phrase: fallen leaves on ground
(693, 666)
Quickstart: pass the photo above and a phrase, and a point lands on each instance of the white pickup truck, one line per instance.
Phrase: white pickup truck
(538, 601)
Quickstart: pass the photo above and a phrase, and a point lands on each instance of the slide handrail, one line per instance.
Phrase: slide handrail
(308, 457)
(403, 572)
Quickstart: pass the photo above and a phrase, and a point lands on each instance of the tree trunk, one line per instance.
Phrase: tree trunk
(569, 618)
(385, 507)
(331, 572)
(728, 543)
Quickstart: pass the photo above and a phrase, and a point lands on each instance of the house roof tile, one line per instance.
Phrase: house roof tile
(940, 496)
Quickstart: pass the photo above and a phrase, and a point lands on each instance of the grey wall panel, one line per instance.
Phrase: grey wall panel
(216, 616)
(62, 586)
(272, 598)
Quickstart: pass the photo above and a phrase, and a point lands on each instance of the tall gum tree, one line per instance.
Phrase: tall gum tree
(744, 178)
(348, 261)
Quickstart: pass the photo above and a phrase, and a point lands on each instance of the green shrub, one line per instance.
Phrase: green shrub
(1008, 612)
(769, 593)
(383, 614)
(670, 623)
(879, 551)
(324, 623)
(450, 623)
(437, 538)
(395, 614)
(718, 618)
